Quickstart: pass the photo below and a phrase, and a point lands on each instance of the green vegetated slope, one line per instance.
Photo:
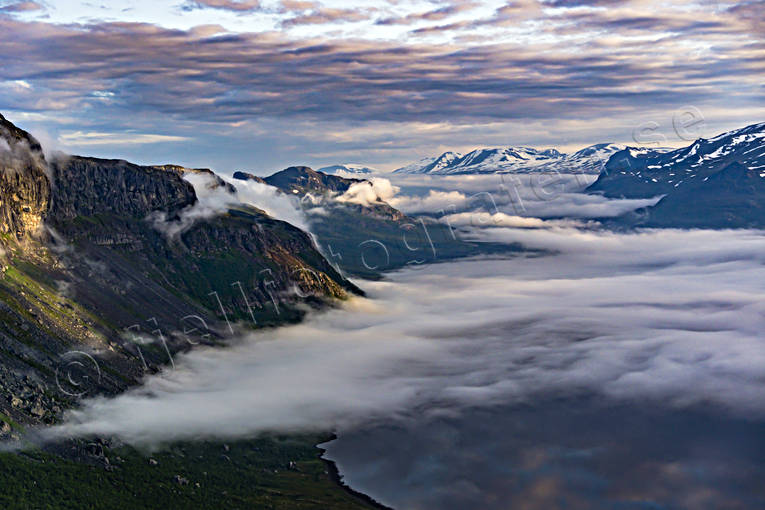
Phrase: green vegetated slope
(267, 473)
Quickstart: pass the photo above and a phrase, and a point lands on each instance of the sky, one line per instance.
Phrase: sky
(260, 85)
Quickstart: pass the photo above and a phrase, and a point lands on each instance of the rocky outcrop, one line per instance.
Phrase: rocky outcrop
(245, 176)
(24, 186)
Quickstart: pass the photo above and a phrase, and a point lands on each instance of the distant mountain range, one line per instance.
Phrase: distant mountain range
(348, 169)
(638, 172)
(712, 183)
(590, 160)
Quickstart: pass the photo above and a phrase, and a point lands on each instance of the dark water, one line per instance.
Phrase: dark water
(559, 454)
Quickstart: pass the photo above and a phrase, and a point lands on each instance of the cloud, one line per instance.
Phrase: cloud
(85, 139)
(368, 192)
(446, 10)
(567, 75)
(22, 6)
(210, 79)
(275, 203)
(434, 201)
(212, 200)
(319, 15)
(239, 6)
(671, 318)
(536, 195)
(501, 219)
(513, 13)
(216, 196)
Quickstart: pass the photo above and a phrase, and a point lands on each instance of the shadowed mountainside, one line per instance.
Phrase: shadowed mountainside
(712, 183)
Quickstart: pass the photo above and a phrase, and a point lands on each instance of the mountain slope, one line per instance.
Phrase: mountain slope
(714, 183)
(302, 179)
(644, 172)
(589, 160)
(124, 252)
(731, 197)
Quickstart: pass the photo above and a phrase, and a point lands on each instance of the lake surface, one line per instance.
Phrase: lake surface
(559, 454)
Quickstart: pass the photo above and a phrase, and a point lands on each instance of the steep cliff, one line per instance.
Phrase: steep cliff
(88, 186)
(24, 187)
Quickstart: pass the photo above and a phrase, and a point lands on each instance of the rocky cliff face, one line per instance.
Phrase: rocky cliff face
(24, 186)
(89, 186)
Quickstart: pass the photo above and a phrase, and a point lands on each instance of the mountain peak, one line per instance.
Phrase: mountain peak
(13, 135)
(303, 179)
(644, 172)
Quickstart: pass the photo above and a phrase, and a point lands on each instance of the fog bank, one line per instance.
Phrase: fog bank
(670, 317)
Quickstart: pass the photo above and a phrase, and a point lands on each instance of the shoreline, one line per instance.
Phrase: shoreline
(337, 478)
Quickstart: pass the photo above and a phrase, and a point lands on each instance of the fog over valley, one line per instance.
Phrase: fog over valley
(382, 255)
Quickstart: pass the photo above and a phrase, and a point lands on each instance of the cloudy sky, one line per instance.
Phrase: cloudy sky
(259, 85)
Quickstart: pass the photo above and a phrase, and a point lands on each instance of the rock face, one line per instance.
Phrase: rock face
(24, 186)
(88, 186)
(245, 176)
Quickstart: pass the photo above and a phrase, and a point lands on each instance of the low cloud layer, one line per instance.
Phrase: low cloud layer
(534, 195)
(666, 317)
(215, 197)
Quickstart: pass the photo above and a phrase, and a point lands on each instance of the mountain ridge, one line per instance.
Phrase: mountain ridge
(712, 183)
(348, 169)
(588, 160)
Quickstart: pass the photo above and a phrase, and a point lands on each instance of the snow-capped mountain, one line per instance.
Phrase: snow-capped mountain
(590, 160)
(714, 183)
(639, 172)
(348, 169)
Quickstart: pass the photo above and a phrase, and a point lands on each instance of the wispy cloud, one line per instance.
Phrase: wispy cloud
(226, 5)
(84, 139)
(21, 6)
